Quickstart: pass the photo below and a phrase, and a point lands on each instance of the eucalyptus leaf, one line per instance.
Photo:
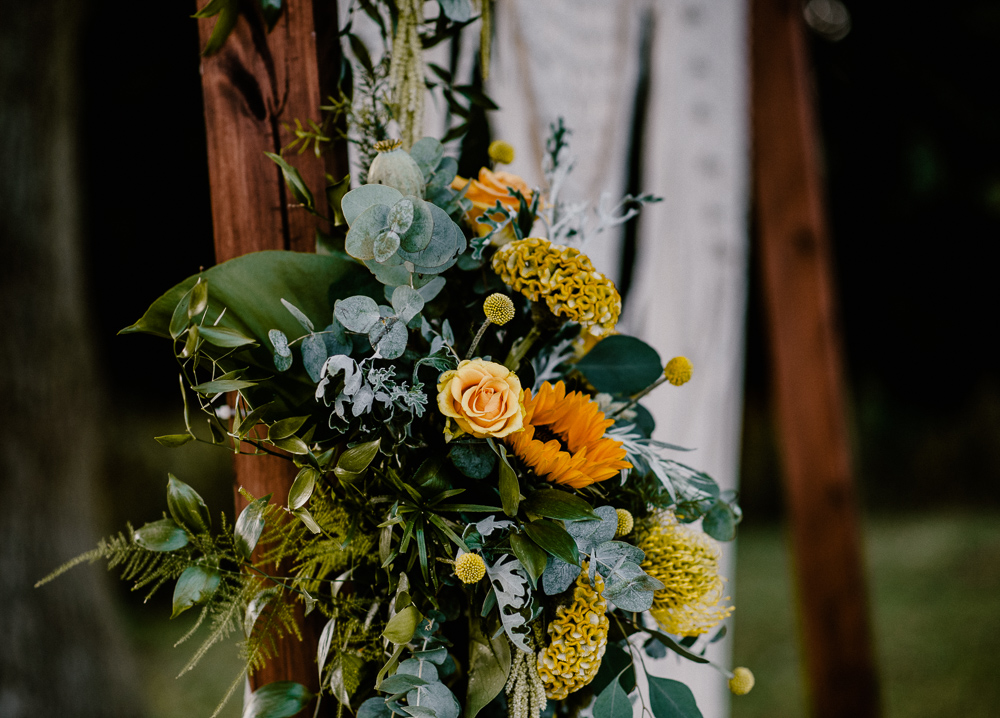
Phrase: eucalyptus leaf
(249, 525)
(385, 245)
(362, 198)
(300, 317)
(196, 584)
(162, 535)
(365, 231)
(720, 522)
(281, 699)
(427, 153)
(390, 275)
(420, 230)
(186, 506)
(314, 356)
(436, 696)
(400, 215)
(630, 588)
(374, 708)
(559, 576)
(612, 702)
(594, 532)
(407, 303)
(621, 364)
(432, 288)
(389, 338)
(400, 683)
(357, 314)
(474, 459)
(671, 699)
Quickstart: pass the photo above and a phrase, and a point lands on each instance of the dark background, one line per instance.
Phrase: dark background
(910, 117)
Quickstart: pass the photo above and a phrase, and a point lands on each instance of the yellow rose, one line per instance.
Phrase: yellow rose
(485, 398)
(484, 193)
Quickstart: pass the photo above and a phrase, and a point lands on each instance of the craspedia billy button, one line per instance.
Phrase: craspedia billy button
(498, 308)
(742, 681)
(470, 568)
(501, 152)
(678, 371)
(625, 522)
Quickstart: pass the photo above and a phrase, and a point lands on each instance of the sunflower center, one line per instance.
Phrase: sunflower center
(544, 434)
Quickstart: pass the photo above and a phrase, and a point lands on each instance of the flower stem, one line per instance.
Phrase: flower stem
(521, 348)
(479, 336)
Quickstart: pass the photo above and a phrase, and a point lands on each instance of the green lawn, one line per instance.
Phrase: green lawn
(935, 584)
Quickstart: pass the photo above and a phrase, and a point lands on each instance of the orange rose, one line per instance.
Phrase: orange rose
(485, 398)
(484, 193)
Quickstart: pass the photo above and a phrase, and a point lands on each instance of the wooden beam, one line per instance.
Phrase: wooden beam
(256, 83)
(808, 368)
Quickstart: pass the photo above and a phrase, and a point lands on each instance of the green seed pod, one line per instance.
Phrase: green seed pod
(394, 167)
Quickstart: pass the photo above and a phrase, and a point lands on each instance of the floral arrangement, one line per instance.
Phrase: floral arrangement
(479, 511)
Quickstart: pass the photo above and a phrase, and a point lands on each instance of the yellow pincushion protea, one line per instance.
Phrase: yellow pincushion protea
(563, 278)
(579, 636)
(563, 439)
(686, 561)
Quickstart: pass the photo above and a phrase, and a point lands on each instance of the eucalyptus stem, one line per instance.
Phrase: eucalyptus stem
(635, 399)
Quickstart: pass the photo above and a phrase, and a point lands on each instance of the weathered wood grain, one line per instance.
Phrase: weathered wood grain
(808, 370)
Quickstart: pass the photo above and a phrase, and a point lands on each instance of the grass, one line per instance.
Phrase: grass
(935, 596)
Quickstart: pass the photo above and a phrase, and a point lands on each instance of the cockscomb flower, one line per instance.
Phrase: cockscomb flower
(579, 636)
(686, 561)
(563, 439)
(563, 278)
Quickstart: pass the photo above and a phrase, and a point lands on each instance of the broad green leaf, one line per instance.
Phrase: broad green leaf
(294, 181)
(613, 703)
(554, 539)
(309, 281)
(557, 504)
(162, 535)
(223, 336)
(186, 506)
(172, 441)
(286, 427)
(671, 699)
(302, 487)
(531, 556)
(489, 666)
(223, 385)
(616, 663)
(195, 585)
(621, 364)
(192, 342)
(249, 526)
(281, 699)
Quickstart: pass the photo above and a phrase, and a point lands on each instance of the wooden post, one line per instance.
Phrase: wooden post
(257, 82)
(808, 372)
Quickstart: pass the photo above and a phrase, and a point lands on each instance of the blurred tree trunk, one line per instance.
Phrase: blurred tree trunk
(61, 654)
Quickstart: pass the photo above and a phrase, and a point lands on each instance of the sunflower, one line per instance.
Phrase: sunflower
(563, 439)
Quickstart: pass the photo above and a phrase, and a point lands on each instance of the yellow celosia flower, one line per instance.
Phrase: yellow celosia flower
(470, 568)
(579, 635)
(564, 278)
(625, 522)
(686, 561)
(678, 371)
(575, 451)
(742, 682)
(498, 308)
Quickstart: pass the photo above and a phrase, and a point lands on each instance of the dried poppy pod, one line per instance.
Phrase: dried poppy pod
(394, 167)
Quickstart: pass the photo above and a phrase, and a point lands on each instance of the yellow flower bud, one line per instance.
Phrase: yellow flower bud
(678, 371)
(501, 152)
(625, 522)
(498, 308)
(742, 681)
(470, 568)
